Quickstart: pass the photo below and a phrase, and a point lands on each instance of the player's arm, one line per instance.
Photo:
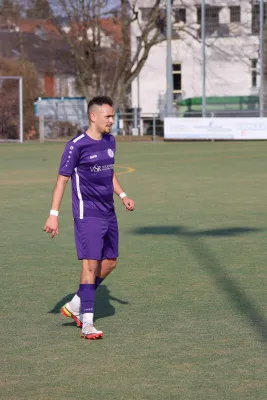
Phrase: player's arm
(51, 225)
(129, 203)
(69, 161)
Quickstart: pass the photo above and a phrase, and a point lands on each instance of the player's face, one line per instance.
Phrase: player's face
(104, 118)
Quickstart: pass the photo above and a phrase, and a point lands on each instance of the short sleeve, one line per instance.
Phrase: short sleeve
(69, 159)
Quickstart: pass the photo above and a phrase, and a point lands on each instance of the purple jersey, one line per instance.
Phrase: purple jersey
(90, 163)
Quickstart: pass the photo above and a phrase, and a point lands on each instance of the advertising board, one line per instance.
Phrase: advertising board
(215, 128)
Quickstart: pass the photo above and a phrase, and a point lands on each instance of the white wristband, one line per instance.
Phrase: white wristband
(122, 195)
(54, 212)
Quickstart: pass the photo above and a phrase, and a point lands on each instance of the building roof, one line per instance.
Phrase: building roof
(50, 54)
(113, 28)
(30, 26)
(110, 27)
(43, 45)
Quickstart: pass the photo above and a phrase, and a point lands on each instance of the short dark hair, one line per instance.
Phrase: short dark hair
(99, 101)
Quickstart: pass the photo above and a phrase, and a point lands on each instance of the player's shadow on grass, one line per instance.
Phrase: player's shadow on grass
(103, 306)
(207, 259)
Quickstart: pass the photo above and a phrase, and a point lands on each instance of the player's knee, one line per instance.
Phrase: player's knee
(89, 266)
(112, 264)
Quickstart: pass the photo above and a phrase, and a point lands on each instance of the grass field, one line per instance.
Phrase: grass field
(184, 314)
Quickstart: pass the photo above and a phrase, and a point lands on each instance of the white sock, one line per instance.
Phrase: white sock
(88, 318)
(75, 304)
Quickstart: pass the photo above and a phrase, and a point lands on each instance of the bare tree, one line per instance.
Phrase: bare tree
(112, 67)
(99, 37)
(39, 9)
(9, 96)
(10, 9)
(107, 57)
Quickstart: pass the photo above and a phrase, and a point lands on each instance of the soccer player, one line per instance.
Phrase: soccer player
(89, 160)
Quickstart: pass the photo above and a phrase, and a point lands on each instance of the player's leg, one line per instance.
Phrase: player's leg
(105, 268)
(89, 234)
(73, 307)
(109, 256)
(110, 251)
(87, 296)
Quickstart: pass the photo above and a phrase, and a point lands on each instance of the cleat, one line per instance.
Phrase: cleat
(90, 332)
(66, 311)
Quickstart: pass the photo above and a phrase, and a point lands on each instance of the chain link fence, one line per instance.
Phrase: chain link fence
(145, 127)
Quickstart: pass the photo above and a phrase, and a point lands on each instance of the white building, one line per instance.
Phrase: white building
(232, 52)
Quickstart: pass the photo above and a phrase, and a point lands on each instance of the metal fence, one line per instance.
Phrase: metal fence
(148, 127)
(141, 126)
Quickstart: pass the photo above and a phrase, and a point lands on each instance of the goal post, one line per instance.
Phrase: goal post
(19, 80)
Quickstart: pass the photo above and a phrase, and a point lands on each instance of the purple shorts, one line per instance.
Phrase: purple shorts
(96, 238)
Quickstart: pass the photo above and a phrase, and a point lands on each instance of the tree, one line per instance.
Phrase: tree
(99, 38)
(10, 9)
(112, 68)
(9, 95)
(39, 9)
(109, 42)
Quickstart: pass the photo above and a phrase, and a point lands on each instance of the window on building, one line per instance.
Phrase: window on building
(61, 86)
(212, 19)
(255, 28)
(254, 73)
(145, 13)
(199, 13)
(255, 19)
(180, 14)
(235, 14)
(161, 20)
(177, 77)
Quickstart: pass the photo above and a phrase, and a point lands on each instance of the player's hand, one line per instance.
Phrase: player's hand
(51, 226)
(129, 203)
